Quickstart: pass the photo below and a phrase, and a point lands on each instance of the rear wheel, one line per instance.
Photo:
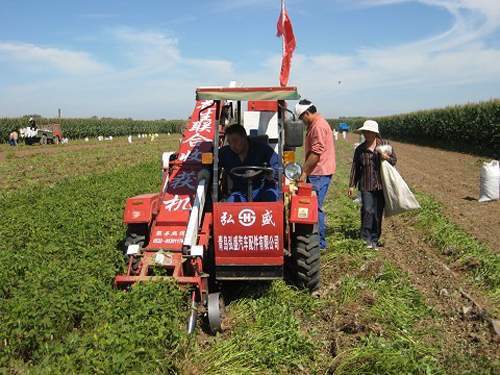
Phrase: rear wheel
(306, 257)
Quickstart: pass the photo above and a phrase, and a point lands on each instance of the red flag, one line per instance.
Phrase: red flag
(285, 30)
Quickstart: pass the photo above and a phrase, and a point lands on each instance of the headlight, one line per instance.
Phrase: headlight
(293, 171)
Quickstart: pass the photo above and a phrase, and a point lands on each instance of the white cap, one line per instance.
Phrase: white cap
(31, 119)
(301, 108)
(370, 126)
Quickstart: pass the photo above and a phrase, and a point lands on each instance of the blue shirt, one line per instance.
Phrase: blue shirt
(259, 154)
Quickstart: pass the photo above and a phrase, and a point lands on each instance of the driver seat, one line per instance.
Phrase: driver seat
(261, 138)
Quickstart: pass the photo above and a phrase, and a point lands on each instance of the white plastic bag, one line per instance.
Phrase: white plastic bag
(385, 149)
(490, 181)
(397, 194)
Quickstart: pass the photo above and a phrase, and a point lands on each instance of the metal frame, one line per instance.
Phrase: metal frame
(247, 93)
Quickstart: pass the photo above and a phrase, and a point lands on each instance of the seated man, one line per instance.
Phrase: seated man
(242, 151)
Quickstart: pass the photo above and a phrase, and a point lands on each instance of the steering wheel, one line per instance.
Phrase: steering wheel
(249, 173)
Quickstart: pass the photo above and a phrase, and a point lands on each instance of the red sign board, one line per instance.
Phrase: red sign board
(248, 233)
(167, 237)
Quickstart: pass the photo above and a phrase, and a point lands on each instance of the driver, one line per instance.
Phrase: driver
(243, 151)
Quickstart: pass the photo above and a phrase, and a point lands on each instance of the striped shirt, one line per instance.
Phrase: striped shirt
(365, 171)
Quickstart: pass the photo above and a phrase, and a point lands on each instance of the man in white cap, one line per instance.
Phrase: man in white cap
(319, 164)
(365, 175)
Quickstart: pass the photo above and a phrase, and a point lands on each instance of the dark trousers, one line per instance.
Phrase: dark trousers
(372, 209)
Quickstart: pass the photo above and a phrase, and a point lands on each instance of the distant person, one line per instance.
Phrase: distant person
(32, 124)
(365, 175)
(13, 137)
(32, 128)
(344, 128)
(319, 164)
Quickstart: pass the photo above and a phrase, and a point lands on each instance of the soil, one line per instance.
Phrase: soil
(452, 178)
(465, 311)
(463, 322)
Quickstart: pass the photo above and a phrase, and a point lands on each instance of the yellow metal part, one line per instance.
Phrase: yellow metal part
(288, 157)
(207, 158)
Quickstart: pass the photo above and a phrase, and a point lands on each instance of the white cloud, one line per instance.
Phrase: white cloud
(218, 67)
(148, 49)
(457, 58)
(444, 69)
(67, 61)
(159, 81)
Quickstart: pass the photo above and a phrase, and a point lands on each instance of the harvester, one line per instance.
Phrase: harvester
(188, 230)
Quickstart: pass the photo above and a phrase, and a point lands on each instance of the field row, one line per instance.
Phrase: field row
(60, 314)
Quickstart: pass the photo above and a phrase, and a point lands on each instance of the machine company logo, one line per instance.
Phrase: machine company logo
(246, 217)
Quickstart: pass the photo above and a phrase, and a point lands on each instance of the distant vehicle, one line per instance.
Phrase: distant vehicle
(46, 134)
(343, 127)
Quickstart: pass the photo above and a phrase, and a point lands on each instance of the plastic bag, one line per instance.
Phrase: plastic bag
(397, 194)
(384, 149)
(490, 181)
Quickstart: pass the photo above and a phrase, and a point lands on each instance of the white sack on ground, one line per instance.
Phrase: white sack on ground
(490, 181)
(397, 194)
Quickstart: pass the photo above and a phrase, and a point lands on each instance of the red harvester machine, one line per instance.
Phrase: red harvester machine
(189, 232)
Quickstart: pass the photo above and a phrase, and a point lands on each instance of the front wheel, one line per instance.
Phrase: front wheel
(136, 235)
(306, 257)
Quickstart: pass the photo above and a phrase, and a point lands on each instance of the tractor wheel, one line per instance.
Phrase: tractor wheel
(43, 140)
(216, 308)
(306, 257)
(136, 235)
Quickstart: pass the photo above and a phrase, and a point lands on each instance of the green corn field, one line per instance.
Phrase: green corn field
(471, 127)
(74, 128)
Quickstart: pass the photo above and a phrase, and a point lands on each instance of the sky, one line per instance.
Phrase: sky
(144, 59)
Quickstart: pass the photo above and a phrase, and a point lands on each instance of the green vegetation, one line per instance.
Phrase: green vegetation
(74, 128)
(374, 300)
(60, 314)
(467, 252)
(267, 335)
(60, 255)
(471, 127)
(39, 166)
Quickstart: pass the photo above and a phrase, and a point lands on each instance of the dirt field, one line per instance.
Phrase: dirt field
(463, 309)
(453, 179)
